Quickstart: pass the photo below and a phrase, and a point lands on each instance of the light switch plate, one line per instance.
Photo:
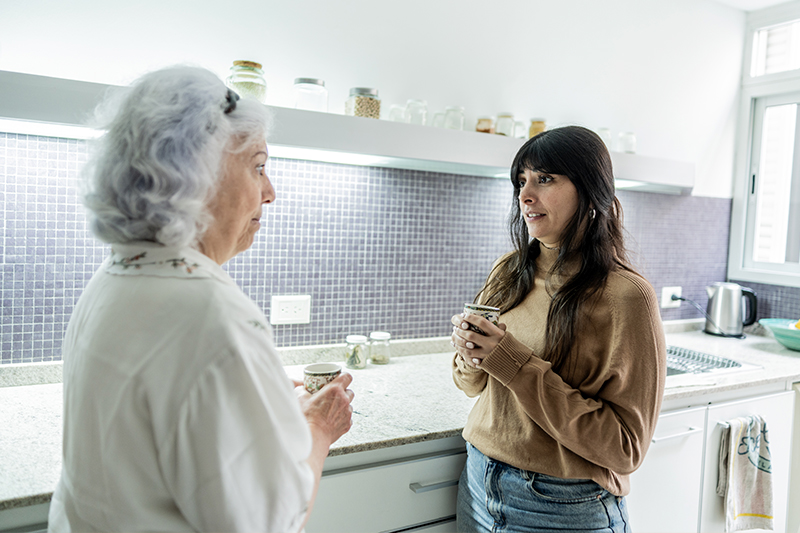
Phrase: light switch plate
(290, 309)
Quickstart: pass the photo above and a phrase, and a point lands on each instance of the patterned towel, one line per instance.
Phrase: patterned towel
(745, 474)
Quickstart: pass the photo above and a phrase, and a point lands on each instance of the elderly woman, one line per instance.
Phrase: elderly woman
(177, 412)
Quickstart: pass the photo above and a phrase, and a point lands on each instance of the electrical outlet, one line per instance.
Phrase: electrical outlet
(290, 309)
(666, 297)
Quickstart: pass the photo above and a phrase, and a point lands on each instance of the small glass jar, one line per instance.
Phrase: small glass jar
(355, 351)
(627, 142)
(485, 125)
(520, 131)
(504, 125)
(417, 111)
(363, 102)
(537, 127)
(398, 113)
(310, 94)
(454, 118)
(247, 79)
(379, 350)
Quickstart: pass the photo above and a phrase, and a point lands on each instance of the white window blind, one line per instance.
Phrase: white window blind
(776, 49)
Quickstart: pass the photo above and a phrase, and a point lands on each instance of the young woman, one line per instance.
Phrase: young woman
(571, 380)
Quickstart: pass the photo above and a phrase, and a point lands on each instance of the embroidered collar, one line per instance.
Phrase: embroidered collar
(152, 259)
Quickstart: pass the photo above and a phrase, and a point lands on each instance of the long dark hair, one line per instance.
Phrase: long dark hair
(593, 237)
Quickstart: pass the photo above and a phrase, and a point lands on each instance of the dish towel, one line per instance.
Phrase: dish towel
(745, 474)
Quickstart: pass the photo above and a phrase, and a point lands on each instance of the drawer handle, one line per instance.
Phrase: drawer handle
(676, 435)
(418, 487)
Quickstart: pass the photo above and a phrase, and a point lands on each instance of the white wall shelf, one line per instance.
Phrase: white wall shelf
(328, 137)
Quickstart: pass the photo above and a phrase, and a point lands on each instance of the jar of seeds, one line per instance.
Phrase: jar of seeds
(247, 79)
(355, 351)
(379, 347)
(363, 102)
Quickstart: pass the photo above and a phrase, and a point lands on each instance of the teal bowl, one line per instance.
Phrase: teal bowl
(784, 331)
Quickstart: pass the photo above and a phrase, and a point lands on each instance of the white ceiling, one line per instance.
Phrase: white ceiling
(751, 5)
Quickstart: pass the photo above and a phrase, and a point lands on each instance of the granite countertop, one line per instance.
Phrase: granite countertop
(411, 399)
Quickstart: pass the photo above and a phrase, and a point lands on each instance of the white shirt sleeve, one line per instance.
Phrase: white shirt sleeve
(236, 460)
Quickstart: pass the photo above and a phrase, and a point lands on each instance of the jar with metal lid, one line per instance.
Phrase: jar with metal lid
(379, 350)
(537, 127)
(310, 94)
(355, 351)
(247, 79)
(363, 102)
(505, 124)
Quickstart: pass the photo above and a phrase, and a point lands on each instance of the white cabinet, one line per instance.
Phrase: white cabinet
(777, 410)
(675, 488)
(417, 491)
(665, 490)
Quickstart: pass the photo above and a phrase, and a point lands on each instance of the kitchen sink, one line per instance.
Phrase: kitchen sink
(685, 361)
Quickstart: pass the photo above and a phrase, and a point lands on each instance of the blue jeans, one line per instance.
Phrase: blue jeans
(496, 497)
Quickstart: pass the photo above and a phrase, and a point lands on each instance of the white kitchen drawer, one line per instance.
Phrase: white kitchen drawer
(388, 497)
(670, 475)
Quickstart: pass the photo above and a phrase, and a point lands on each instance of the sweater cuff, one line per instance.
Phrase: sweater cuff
(506, 359)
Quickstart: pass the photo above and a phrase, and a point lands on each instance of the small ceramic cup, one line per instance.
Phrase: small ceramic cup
(492, 314)
(318, 375)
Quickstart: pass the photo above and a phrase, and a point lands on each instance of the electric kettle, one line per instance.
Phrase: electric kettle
(724, 316)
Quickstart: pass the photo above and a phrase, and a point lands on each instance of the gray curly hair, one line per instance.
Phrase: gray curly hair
(153, 172)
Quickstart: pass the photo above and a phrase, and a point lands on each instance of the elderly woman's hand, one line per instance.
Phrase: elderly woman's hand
(329, 410)
(471, 346)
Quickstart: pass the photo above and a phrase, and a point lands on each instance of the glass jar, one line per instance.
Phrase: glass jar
(417, 111)
(454, 118)
(310, 94)
(379, 351)
(247, 79)
(537, 127)
(485, 125)
(627, 142)
(355, 351)
(504, 125)
(398, 113)
(520, 131)
(363, 102)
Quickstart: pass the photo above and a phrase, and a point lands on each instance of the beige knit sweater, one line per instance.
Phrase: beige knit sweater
(596, 421)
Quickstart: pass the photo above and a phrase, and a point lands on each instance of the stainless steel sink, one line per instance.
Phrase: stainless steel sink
(685, 361)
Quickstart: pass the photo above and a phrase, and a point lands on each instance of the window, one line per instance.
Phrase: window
(765, 222)
(774, 197)
(776, 49)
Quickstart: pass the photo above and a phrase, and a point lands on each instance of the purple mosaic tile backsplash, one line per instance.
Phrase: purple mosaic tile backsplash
(377, 249)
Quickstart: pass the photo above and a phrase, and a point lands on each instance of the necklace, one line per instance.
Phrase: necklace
(550, 247)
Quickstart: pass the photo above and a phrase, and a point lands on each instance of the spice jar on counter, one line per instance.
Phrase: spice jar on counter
(363, 102)
(379, 351)
(247, 79)
(355, 351)
(537, 127)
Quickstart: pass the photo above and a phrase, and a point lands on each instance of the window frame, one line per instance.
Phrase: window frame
(753, 89)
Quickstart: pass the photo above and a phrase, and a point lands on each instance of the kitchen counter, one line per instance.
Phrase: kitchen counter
(410, 400)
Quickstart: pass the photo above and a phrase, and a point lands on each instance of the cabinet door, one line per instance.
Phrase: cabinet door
(665, 490)
(777, 410)
(387, 497)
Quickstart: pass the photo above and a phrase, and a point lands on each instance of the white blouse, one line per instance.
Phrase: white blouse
(178, 414)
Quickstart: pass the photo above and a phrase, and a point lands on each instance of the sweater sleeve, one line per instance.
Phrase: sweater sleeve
(629, 378)
(469, 379)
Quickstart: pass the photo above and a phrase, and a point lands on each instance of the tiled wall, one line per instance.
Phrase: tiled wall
(376, 249)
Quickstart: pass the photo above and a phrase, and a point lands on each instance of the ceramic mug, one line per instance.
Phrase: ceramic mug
(318, 375)
(492, 314)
